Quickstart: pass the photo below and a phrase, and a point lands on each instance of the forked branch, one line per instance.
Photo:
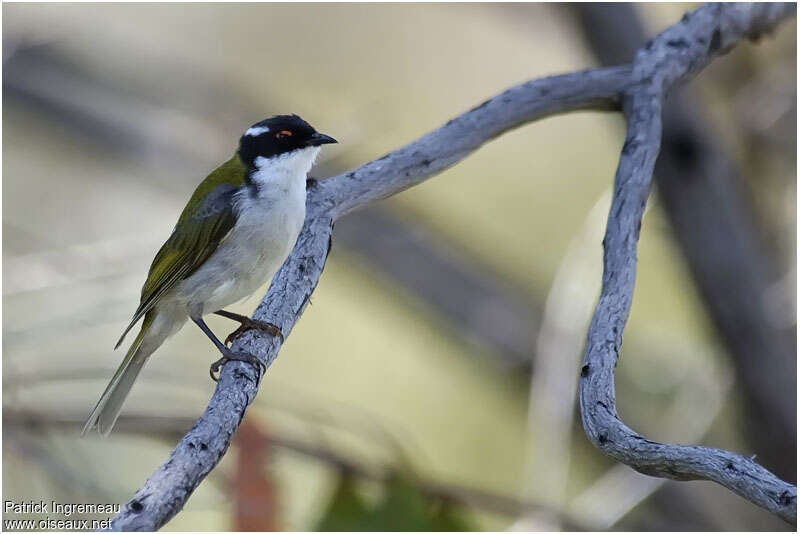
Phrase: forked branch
(673, 56)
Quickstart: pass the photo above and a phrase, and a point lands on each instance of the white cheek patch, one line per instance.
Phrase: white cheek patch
(255, 131)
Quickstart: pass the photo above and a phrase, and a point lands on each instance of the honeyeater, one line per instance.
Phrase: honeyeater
(236, 231)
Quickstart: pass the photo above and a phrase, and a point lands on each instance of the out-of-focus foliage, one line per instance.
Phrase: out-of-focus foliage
(403, 508)
(347, 510)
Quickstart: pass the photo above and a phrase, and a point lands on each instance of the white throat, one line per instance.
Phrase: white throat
(278, 170)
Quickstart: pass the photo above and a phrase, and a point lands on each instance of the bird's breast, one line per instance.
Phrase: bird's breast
(266, 229)
(268, 225)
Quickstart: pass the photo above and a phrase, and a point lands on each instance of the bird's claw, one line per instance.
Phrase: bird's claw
(250, 324)
(237, 357)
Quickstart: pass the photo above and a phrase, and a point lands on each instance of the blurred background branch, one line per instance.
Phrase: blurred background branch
(254, 444)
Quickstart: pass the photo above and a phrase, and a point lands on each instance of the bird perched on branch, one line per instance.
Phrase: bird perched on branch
(236, 231)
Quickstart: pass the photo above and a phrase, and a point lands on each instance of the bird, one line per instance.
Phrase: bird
(237, 229)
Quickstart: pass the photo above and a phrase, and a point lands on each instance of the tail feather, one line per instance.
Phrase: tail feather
(107, 410)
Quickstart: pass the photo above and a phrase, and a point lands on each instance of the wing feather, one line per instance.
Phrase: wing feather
(205, 222)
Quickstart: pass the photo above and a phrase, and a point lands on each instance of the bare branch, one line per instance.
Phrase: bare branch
(432, 153)
(710, 212)
(672, 56)
(167, 490)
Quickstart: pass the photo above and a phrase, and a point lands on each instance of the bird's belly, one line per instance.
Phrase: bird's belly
(247, 258)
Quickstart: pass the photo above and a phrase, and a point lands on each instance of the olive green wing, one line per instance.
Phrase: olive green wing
(204, 223)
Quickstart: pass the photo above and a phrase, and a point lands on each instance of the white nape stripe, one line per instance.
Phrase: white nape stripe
(256, 131)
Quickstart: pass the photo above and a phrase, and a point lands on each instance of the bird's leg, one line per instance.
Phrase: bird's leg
(227, 354)
(248, 324)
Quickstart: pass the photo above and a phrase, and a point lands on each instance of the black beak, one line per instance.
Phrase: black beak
(320, 139)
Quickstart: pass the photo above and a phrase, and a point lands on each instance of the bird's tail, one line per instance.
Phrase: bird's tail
(108, 407)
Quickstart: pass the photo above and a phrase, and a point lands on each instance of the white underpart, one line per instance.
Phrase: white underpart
(269, 218)
(268, 223)
(255, 131)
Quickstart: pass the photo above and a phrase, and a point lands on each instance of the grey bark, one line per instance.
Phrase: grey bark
(702, 35)
(675, 54)
(713, 223)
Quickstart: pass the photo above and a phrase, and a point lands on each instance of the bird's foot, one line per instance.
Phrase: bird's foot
(250, 324)
(229, 355)
(247, 323)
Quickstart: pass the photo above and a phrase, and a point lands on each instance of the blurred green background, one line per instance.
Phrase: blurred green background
(431, 384)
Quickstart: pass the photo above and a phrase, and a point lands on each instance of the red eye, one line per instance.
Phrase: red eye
(282, 134)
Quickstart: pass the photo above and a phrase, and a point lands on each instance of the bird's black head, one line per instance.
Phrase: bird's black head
(278, 135)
